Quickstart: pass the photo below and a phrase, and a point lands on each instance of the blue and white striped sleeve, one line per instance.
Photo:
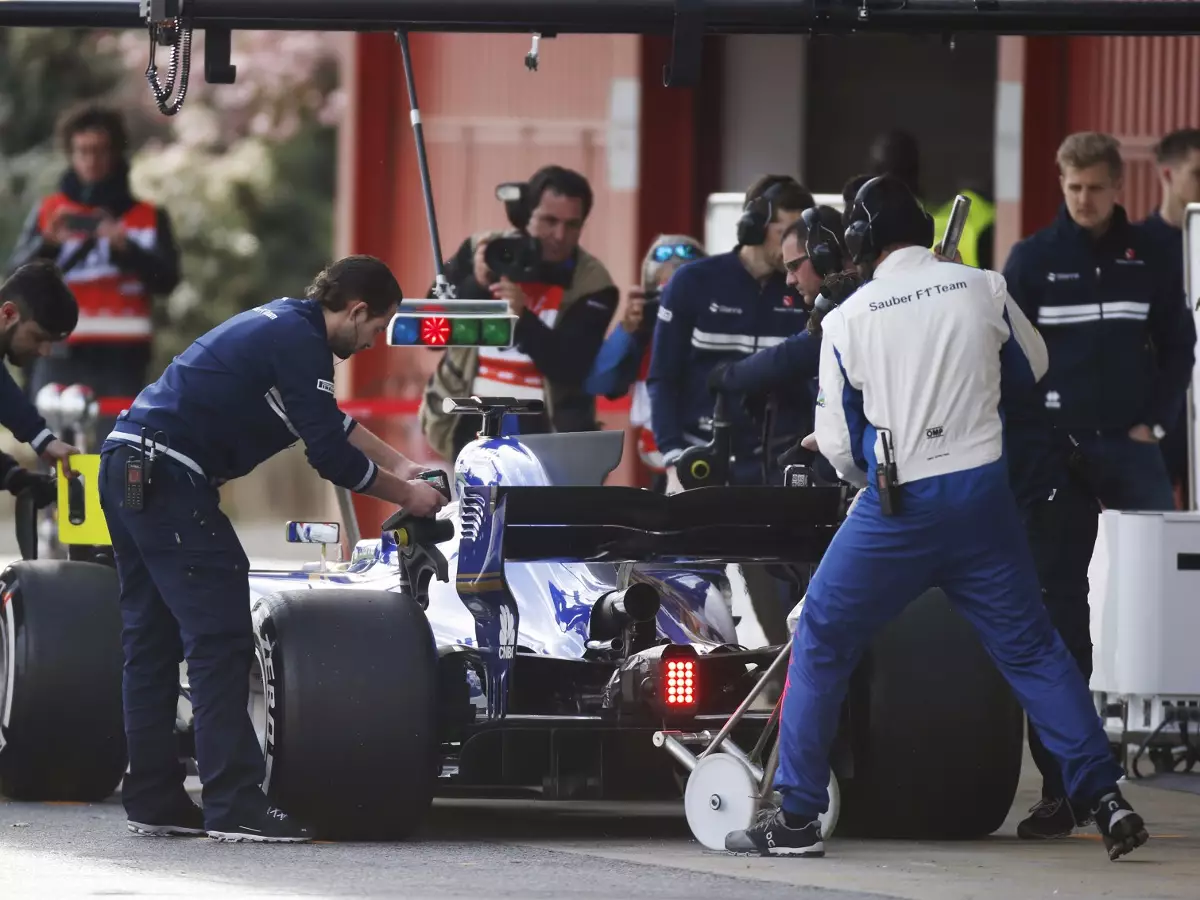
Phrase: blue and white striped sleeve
(840, 420)
(1023, 357)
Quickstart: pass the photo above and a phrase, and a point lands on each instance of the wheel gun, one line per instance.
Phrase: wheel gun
(954, 228)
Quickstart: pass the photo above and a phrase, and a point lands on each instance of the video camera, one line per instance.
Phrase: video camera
(517, 258)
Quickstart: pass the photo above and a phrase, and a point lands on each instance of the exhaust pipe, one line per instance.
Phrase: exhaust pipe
(617, 610)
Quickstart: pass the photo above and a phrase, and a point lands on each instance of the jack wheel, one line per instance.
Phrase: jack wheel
(722, 796)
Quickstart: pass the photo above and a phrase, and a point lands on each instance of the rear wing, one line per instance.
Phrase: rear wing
(617, 524)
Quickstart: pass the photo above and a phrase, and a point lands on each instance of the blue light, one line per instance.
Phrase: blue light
(406, 331)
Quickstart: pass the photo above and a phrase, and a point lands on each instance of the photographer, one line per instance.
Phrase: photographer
(563, 297)
(116, 253)
(720, 309)
(624, 359)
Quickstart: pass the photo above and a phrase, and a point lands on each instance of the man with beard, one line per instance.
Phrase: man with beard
(241, 393)
(36, 310)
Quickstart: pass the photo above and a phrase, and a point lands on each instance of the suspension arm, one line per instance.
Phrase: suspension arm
(1080, 17)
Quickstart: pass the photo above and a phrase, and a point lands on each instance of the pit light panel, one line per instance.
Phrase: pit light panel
(452, 323)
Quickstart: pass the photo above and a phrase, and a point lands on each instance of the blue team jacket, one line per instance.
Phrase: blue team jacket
(714, 311)
(249, 388)
(1119, 335)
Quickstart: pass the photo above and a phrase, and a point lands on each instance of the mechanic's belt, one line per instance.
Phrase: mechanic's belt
(136, 440)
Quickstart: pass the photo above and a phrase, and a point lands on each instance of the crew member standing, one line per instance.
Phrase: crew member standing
(1178, 158)
(720, 309)
(911, 370)
(241, 393)
(1121, 352)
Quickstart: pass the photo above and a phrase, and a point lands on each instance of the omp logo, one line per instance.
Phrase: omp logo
(508, 633)
(934, 432)
(323, 385)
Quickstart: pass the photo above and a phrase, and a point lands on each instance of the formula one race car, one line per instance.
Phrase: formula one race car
(530, 640)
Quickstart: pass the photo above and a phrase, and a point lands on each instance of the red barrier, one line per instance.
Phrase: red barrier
(112, 406)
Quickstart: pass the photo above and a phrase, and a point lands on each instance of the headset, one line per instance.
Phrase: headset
(864, 241)
(823, 244)
(758, 213)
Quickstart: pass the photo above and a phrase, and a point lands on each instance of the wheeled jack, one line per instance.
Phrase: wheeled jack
(726, 787)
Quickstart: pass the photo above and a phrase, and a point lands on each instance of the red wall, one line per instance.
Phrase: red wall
(487, 119)
(1135, 88)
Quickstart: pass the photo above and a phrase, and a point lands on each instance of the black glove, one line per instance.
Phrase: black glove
(716, 378)
(44, 487)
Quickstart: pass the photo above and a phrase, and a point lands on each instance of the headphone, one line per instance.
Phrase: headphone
(863, 240)
(823, 245)
(758, 213)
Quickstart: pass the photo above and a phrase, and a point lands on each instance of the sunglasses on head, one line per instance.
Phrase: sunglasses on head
(666, 251)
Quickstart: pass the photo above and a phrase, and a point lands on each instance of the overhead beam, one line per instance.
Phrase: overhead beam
(1009, 17)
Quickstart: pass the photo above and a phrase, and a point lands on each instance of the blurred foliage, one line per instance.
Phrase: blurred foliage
(247, 171)
(43, 72)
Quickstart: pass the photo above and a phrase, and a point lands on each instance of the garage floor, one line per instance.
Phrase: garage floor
(523, 850)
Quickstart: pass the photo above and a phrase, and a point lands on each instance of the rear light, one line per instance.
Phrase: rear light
(681, 685)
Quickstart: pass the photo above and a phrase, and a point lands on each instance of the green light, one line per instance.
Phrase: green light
(497, 332)
(464, 332)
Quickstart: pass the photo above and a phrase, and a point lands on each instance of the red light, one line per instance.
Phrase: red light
(435, 330)
(681, 684)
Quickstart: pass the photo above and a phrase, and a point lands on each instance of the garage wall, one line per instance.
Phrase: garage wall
(763, 102)
(863, 84)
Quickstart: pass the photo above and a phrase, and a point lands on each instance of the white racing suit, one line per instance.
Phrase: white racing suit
(920, 351)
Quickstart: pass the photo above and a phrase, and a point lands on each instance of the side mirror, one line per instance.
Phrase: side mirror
(314, 533)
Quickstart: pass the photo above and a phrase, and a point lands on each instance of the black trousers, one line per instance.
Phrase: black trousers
(1062, 535)
(184, 594)
(1109, 468)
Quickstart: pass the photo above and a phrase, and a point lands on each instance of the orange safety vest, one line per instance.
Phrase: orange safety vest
(114, 306)
(508, 372)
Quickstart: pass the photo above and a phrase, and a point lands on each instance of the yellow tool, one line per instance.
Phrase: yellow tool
(92, 528)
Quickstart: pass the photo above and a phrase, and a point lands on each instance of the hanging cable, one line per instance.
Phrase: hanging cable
(176, 33)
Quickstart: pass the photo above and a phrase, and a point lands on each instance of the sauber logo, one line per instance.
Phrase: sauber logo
(323, 385)
(508, 633)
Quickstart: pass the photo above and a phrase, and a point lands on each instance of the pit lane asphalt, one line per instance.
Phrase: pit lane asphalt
(517, 849)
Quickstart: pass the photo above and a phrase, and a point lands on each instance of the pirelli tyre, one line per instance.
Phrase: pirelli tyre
(936, 735)
(343, 694)
(62, 735)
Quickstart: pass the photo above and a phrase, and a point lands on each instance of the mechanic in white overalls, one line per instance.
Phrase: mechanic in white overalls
(912, 367)
(248, 389)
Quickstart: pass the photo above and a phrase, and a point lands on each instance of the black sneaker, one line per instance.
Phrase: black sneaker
(1122, 829)
(1052, 818)
(269, 826)
(770, 835)
(182, 819)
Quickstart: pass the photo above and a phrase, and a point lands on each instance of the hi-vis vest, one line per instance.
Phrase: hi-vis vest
(113, 305)
(981, 216)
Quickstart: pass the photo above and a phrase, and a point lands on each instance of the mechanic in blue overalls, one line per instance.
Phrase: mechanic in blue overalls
(911, 379)
(241, 393)
(37, 310)
(723, 308)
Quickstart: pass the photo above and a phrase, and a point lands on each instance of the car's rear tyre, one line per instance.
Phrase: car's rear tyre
(937, 733)
(346, 707)
(62, 733)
